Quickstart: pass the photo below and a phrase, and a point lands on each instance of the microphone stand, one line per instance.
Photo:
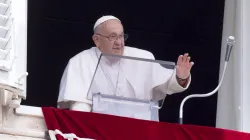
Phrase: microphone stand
(230, 43)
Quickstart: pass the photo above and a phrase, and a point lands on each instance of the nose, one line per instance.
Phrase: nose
(118, 41)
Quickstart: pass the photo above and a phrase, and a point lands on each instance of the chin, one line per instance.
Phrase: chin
(117, 52)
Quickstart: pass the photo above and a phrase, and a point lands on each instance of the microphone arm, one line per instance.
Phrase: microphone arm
(230, 43)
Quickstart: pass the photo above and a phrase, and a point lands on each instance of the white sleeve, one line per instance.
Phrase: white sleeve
(175, 87)
(170, 87)
(75, 83)
(80, 106)
(165, 82)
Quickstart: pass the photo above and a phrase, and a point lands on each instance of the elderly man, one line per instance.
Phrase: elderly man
(109, 38)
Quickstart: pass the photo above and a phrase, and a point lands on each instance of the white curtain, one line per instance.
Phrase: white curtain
(233, 106)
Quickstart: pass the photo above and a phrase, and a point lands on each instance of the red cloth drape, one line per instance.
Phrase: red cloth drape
(107, 127)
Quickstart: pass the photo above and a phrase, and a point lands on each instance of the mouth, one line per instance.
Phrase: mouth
(117, 49)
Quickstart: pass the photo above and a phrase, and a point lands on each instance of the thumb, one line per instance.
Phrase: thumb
(191, 65)
(177, 66)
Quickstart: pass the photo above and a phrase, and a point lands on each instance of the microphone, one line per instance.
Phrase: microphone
(230, 44)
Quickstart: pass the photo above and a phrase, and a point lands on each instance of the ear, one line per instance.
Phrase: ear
(96, 40)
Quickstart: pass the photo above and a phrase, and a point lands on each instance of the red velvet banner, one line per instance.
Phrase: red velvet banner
(107, 127)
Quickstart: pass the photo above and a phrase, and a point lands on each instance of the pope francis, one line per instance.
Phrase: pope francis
(110, 38)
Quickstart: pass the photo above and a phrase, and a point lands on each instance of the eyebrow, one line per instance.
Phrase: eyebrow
(116, 33)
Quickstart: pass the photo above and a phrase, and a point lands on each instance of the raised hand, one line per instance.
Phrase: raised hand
(184, 66)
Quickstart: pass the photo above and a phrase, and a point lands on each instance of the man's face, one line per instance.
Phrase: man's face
(109, 37)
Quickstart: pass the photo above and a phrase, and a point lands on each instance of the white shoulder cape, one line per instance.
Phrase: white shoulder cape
(79, 72)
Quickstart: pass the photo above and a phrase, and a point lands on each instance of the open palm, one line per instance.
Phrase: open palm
(184, 66)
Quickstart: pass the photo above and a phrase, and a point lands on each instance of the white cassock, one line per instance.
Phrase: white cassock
(126, 78)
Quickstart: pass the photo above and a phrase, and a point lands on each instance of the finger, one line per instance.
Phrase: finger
(180, 59)
(191, 65)
(185, 57)
(188, 60)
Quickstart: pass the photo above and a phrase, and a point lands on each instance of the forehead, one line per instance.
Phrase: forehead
(113, 26)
